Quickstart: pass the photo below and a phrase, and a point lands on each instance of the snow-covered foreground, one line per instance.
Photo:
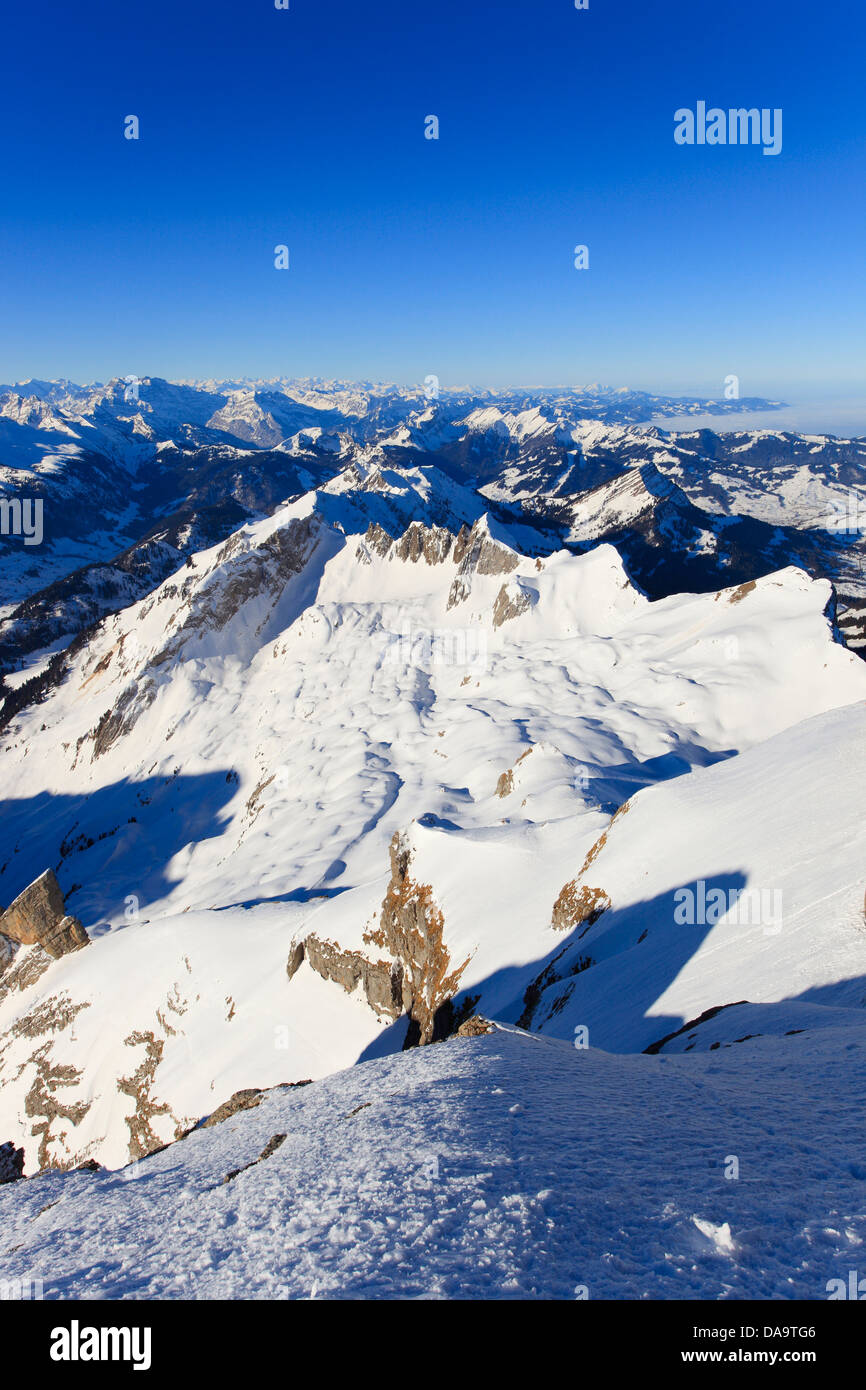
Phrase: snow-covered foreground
(504, 1166)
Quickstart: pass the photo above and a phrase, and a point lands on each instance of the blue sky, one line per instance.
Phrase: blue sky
(410, 256)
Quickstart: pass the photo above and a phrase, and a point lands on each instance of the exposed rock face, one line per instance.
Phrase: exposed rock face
(140, 1087)
(505, 785)
(67, 935)
(576, 906)
(256, 570)
(115, 723)
(37, 918)
(578, 903)
(7, 952)
(24, 971)
(11, 1163)
(244, 1100)
(241, 1100)
(739, 594)
(411, 927)
(476, 552)
(415, 976)
(377, 539)
(432, 544)
(475, 1027)
(270, 1148)
(382, 980)
(573, 963)
(295, 959)
(53, 1119)
(40, 902)
(511, 601)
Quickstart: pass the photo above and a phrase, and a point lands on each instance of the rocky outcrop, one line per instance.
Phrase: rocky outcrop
(244, 1100)
(37, 918)
(505, 784)
(377, 539)
(411, 927)
(270, 1148)
(578, 903)
(49, 1103)
(26, 968)
(141, 1088)
(11, 1163)
(573, 963)
(430, 543)
(475, 1027)
(415, 975)
(241, 1100)
(381, 980)
(296, 959)
(476, 552)
(577, 906)
(510, 602)
(7, 952)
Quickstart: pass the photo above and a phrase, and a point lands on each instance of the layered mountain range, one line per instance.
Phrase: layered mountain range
(132, 478)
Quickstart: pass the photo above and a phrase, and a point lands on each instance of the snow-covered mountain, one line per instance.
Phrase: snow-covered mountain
(377, 727)
(133, 476)
(314, 718)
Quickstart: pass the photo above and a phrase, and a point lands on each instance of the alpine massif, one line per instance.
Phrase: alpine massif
(431, 846)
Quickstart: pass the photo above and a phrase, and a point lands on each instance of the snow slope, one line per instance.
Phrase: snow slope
(505, 1167)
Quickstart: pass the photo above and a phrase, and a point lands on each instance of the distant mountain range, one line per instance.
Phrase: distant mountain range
(136, 475)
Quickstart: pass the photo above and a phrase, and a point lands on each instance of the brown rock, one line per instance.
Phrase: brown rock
(296, 960)
(381, 980)
(475, 1027)
(36, 917)
(39, 906)
(577, 906)
(241, 1100)
(411, 927)
(417, 977)
(476, 552)
(510, 602)
(68, 935)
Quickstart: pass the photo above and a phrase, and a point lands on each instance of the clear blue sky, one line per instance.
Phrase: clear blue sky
(411, 256)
